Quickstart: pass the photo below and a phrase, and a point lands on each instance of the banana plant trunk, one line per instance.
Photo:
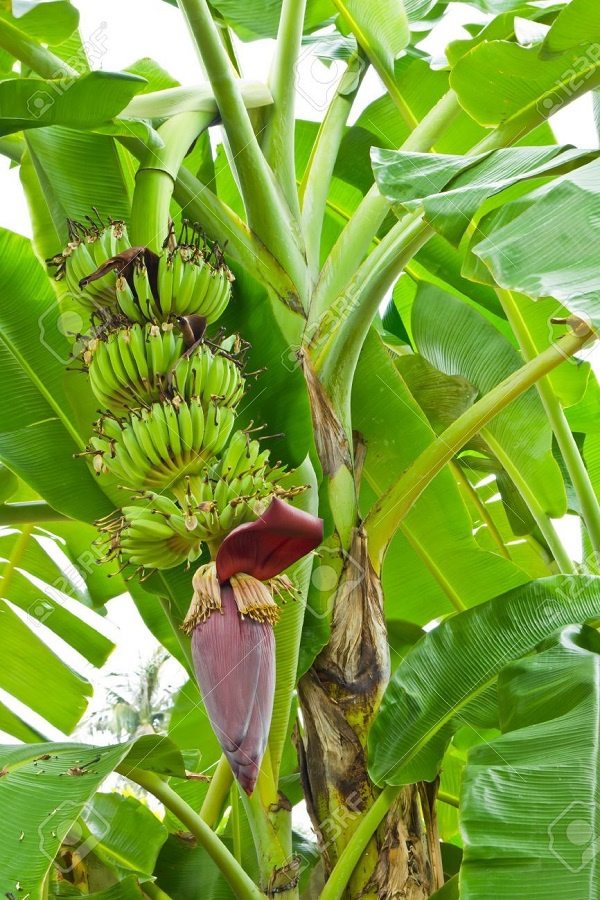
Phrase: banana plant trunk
(339, 698)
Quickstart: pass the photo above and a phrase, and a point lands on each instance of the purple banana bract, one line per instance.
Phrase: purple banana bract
(234, 654)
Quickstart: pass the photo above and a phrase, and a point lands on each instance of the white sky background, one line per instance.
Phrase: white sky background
(138, 28)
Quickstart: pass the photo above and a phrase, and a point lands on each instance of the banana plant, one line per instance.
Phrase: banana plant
(316, 393)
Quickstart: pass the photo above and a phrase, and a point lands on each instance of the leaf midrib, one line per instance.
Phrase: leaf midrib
(46, 394)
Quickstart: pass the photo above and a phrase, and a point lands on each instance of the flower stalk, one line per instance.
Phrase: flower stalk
(156, 176)
(241, 883)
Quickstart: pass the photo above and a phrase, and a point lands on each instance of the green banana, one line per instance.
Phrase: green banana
(131, 366)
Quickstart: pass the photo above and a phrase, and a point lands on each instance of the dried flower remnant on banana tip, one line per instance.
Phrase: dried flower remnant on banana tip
(231, 620)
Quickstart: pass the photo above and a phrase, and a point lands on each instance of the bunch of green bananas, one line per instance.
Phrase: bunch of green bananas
(153, 535)
(88, 248)
(136, 365)
(205, 374)
(130, 367)
(163, 533)
(171, 394)
(158, 445)
(231, 491)
(186, 284)
(109, 276)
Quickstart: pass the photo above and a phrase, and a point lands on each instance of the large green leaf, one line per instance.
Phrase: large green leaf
(527, 247)
(441, 264)
(38, 437)
(45, 239)
(450, 189)
(157, 78)
(78, 170)
(135, 836)
(85, 102)
(434, 564)
(380, 28)
(32, 581)
(500, 83)
(444, 681)
(502, 27)
(448, 891)
(13, 725)
(181, 868)
(458, 340)
(496, 6)
(126, 889)
(102, 580)
(38, 678)
(51, 22)
(578, 22)
(530, 797)
(44, 788)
